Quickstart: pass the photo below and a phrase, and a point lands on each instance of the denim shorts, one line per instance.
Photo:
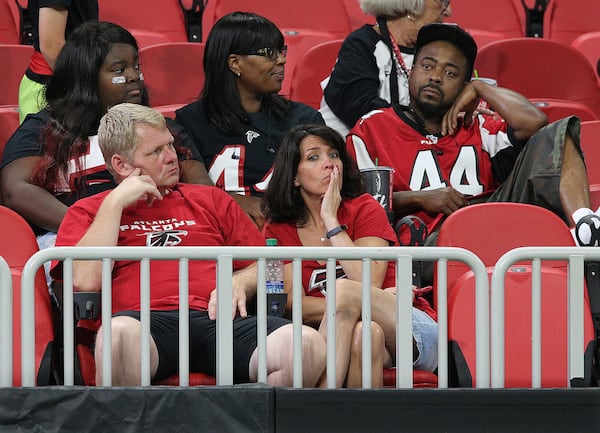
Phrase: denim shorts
(425, 332)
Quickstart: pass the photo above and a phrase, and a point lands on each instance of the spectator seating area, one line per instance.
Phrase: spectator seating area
(464, 308)
(556, 70)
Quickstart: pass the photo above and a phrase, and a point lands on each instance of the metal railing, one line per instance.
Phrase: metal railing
(6, 325)
(575, 257)
(224, 257)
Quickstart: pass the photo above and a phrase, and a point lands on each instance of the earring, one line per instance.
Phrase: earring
(239, 74)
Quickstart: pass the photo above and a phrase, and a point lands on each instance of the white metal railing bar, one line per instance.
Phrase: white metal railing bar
(366, 324)
(261, 325)
(297, 319)
(184, 323)
(6, 325)
(224, 257)
(442, 315)
(404, 346)
(330, 312)
(576, 257)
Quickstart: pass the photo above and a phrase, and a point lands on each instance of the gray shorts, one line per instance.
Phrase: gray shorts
(425, 332)
(535, 178)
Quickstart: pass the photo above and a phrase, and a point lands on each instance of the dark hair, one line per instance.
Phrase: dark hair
(282, 202)
(236, 33)
(74, 98)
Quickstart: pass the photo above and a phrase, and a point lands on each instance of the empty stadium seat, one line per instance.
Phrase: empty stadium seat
(325, 16)
(357, 17)
(15, 59)
(298, 43)
(500, 18)
(173, 72)
(588, 44)
(528, 66)
(312, 68)
(162, 18)
(17, 246)
(568, 19)
(9, 122)
(10, 23)
(490, 230)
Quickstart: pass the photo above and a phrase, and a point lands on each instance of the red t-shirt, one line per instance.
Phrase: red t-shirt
(364, 217)
(190, 215)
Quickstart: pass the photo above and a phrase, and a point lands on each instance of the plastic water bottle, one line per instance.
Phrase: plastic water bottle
(274, 271)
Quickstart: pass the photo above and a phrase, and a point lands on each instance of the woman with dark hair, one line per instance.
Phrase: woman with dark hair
(53, 159)
(240, 119)
(316, 198)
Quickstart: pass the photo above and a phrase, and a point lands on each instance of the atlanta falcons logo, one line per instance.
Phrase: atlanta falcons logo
(251, 135)
(166, 238)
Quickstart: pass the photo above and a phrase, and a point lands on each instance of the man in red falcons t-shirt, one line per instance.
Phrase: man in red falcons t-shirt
(149, 207)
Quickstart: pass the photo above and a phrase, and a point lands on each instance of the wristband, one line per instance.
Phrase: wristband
(336, 230)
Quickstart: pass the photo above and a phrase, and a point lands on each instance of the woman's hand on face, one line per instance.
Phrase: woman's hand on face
(332, 198)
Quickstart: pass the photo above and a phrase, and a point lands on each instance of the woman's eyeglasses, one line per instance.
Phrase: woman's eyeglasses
(270, 53)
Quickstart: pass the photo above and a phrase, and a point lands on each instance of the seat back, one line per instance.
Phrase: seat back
(10, 25)
(173, 72)
(522, 64)
(314, 66)
(505, 18)
(357, 17)
(567, 19)
(518, 329)
(299, 42)
(9, 122)
(15, 59)
(588, 44)
(590, 145)
(490, 230)
(17, 246)
(162, 17)
(325, 16)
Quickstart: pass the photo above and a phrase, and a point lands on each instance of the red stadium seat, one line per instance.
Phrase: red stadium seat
(9, 122)
(326, 16)
(568, 19)
(504, 18)
(17, 246)
(314, 66)
(522, 64)
(505, 228)
(298, 43)
(10, 23)
(489, 230)
(357, 17)
(588, 44)
(173, 72)
(15, 59)
(164, 18)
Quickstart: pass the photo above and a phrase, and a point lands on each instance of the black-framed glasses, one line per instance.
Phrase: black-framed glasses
(270, 52)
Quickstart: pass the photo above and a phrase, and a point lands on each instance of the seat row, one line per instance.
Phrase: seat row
(488, 230)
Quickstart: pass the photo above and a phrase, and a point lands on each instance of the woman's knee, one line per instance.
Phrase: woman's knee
(377, 338)
(348, 296)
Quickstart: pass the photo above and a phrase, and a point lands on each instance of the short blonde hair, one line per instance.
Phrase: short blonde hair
(117, 131)
(392, 8)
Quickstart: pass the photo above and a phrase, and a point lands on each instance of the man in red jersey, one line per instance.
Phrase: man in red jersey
(445, 156)
(149, 207)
